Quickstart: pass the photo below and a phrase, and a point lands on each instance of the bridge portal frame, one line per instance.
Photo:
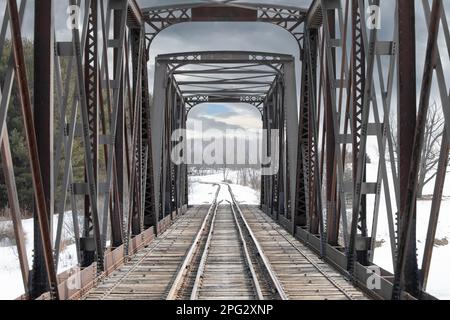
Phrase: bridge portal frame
(279, 111)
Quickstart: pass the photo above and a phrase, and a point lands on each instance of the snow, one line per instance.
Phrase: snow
(438, 280)
(203, 189)
(11, 284)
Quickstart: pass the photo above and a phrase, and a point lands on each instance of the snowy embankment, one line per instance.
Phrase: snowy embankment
(438, 280)
(202, 190)
(11, 284)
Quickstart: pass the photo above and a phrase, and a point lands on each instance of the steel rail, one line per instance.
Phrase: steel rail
(247, 256)
(201, 268)
(178, 281)
(315, 265)
(266, 263)
(159, 240)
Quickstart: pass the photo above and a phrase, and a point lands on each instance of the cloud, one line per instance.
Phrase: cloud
(235, 116)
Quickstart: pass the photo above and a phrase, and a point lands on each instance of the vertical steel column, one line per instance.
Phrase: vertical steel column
(116, 216)
(303, 160)
(150, 218)
(406, 116)
(91, 185)
(157, 115)
(306, 213)
(91, 85)
(42, 195)
(280, 194)
(167, 164)
(264, 146)
(332, 210)
(312, 142)
(407, 226)
(114, 7)
(136, 55)
(43, 122)
(119, 150)
(358, 85)
(290, 129)
(306, 160)
(443, 157)
(316, 224)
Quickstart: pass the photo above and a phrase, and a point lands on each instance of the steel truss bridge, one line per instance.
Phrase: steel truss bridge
(93, 90)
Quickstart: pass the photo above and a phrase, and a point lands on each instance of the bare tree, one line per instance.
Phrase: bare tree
(225, 172)
(431, 149)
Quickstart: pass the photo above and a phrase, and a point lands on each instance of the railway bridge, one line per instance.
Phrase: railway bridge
(315, 232)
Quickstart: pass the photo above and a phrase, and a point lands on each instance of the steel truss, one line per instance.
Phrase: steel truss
(353, 100)
(130, 191)
(179, 84)
(162, 17)
(95, 109)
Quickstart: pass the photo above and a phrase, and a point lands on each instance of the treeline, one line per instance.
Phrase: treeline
(16, 132)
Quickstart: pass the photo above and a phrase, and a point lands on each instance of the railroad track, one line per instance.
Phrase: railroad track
(224, 252)
(228, 263)
(302, 273)
(149, 273)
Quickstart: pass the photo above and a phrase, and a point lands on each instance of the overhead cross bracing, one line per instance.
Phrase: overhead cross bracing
(160, 18)
(225, 76)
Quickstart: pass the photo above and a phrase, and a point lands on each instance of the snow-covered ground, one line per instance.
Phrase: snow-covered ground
(201, 191)
(11, 284)
(439, 278)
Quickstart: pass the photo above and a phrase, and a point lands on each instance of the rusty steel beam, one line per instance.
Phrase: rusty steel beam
(409, 203)
(119, 149)
(32, 145)
(43, 121)
(214, 13)
(406, 116)
(314, 180)
(332, 210)
(134, 186)
(358, 88)
(303, 142)
(114, 211)
(150, 218)
(91, 85)
(435, 208)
